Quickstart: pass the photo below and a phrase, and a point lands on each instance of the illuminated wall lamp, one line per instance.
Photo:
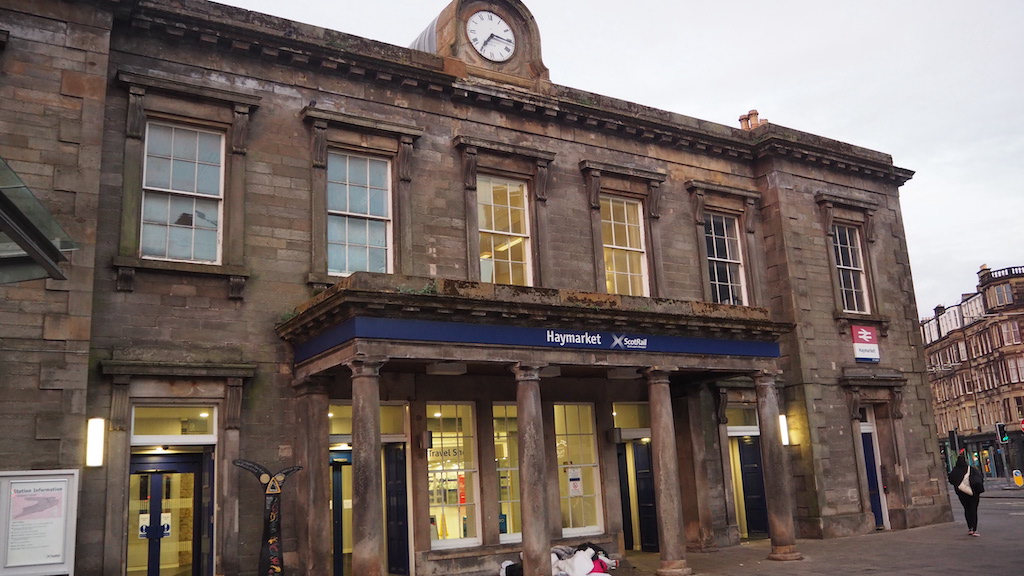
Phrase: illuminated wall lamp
(94, 442)
(784, 429)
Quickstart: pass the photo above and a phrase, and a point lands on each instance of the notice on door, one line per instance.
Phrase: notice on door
(575, 482)
(36, 522)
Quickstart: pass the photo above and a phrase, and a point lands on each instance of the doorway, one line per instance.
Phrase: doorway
(873, 469)
(396, 509)
(755, 505)
(639, 509)
(170, 515)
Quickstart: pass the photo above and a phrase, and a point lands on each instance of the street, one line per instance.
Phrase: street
(941, 549)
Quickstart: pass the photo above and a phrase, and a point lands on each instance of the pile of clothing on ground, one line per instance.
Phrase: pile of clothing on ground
(584, 559)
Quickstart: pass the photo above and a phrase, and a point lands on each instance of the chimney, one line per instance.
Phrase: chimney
(939, 310)
(750, 120)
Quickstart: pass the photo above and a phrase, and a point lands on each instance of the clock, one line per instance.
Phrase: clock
(491, 36)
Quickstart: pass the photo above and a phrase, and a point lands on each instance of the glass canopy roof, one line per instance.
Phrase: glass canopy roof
(31, 241)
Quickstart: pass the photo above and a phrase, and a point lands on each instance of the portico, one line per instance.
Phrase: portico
(419, 342)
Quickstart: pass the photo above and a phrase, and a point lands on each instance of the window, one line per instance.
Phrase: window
(452, 475)
(1011, 333)
(179, 424)
(183, 185)
(358, 214)
(1000, 295)
(578, 474)
(725, 263)
(850, 265)
(623, 238)
(506, 455)
(504, 231)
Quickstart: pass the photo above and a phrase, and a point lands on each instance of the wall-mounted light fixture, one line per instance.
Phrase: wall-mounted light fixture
(426, 440)
(94, 442)
(784, 429)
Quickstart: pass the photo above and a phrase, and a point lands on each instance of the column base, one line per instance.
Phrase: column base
(785, 553)
(673, 568)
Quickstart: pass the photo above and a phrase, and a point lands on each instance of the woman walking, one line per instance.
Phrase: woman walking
(969, 483)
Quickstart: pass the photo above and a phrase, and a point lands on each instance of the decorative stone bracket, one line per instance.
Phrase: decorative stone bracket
(592, 172)
(828, 202)
(866, 386)
(471, 148)
(122, 372)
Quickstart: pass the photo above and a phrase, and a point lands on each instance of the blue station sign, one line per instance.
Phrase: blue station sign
(495, 335)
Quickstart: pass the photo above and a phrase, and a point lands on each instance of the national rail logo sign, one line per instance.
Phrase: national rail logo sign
(865, 343)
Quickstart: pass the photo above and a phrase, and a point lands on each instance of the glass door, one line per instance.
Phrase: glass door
(341, 511)
(166, 521)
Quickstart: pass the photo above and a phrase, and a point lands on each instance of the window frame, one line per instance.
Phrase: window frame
(737, 282)
(604, 180)
(355, 135)
(489, 159)
(611, 283)
(1000, 295)
(594, 468)
(171, 192)
(334, 151)
(857, 215)
(514, 492)
(194, 105)
(527, 264)
(715, 199)
(465, 542)
(175, 439)
(843, 269)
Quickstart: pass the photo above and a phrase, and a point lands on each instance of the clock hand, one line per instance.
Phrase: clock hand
(505, 40)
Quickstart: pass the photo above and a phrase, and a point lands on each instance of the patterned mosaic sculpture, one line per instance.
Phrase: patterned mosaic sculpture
(271, 555)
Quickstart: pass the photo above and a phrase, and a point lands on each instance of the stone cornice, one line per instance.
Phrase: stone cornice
(502, 148)
(394, 296)
(361, 124)
(279, 41)
(777, 141)
(180, 369)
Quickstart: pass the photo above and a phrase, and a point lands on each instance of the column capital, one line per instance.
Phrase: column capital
(526, 372)
(766, 377)
(659, 374)
(363, 365)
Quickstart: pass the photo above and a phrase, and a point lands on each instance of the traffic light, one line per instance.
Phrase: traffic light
(1002, 436)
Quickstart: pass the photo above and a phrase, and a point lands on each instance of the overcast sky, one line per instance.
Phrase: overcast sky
(937, 84)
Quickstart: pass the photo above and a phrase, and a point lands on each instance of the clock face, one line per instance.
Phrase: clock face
(491, 36)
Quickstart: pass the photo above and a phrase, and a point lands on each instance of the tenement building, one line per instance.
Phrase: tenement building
(486, 314)
(975, 360)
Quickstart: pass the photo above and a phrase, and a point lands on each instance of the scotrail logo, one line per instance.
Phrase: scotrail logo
(626, 343)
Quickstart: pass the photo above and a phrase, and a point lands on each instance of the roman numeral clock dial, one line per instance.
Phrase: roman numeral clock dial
(491, 36)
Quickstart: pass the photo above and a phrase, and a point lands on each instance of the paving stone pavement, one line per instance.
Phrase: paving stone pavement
(942, 549)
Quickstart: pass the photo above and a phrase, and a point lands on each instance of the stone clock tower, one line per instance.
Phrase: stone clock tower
(492, 39)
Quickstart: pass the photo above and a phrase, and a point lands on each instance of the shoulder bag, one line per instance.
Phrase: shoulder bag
(965, 484)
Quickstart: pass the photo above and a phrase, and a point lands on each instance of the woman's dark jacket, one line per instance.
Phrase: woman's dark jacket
(956, 475)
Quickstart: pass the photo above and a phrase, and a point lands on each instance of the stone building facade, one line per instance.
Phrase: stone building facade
(485, 313)
(975, 358)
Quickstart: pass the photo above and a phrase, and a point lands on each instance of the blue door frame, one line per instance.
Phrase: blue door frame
(155, 467)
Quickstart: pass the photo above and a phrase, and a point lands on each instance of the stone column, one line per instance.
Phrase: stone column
(665, 461)
(775, 466)
(367, 483)
(532, 477)
(313, 490)
(230, 448)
